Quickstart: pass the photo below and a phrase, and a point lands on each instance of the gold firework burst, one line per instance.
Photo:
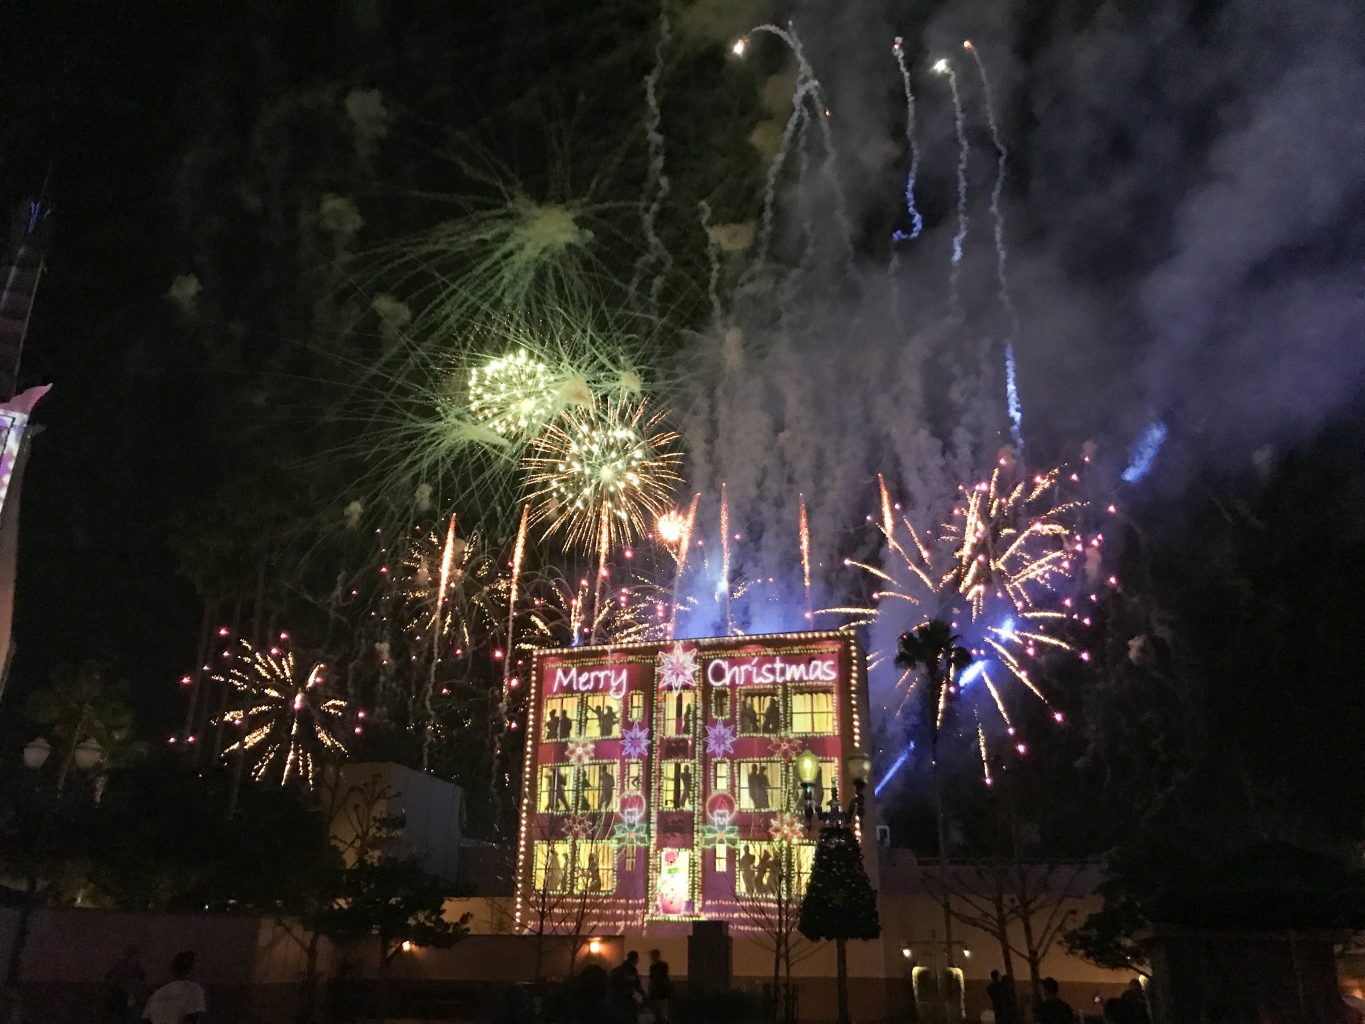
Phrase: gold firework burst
(602, 474)
(290, 719)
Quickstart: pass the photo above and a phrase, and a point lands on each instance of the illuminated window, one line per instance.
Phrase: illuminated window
(561, 718)
(722, 777)
(558, 783)
(603, 718)
(680, 716)
(760, 786)
(553, 865)
(598, 790)
(596, 867)
(773, 870)
(720, 704)
(673, 883)
(760, 711)
(677, 787)
(635, 777)
(635, 706)
(722, 859)
(812, 712)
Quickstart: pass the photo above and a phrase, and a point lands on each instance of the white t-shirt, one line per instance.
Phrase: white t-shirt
(172, 1002)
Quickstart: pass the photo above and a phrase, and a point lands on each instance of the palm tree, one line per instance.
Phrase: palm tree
(935, 650)
(83, 703)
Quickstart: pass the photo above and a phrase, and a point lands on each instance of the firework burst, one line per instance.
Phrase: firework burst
(447, 584)
(601, 475)
(291, 720)
(1005, 547)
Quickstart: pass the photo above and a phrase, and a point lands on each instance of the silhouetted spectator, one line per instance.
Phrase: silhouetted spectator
(590, 993)
(624, 991)
(1135, 1004)
(1000, 991)
(125, 987)
(1051, 1009)
(660, 986)
(180, 1001)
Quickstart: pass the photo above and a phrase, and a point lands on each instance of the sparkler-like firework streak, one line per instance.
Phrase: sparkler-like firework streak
(603, 472)
(1016, 411)
(291, 721)
(1009, 538)
(804, 532)
(681, 546)
(725, 557)
(945, 67)
(1005, 547)
(912, 144)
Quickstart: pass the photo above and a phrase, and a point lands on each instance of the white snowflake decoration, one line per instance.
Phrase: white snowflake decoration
(635, 740)
(678, 668)
(785, 747)
(577, 827)
(580, 752)
(720, 738)
(786, 828)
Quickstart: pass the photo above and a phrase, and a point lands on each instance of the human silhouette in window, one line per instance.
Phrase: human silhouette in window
(688, 720)
(686, 776)
(606, 720)
(748, 717)
(607, 790)
(552, 726)
(772, 716)
(558, 784)
(554, 872)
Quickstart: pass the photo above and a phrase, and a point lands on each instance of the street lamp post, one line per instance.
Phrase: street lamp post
(85, 755)
(837, 873)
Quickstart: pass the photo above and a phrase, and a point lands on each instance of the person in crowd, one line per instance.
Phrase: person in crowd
(1135, 1004)
(1052, 1009)
(1000, 992)
(125, 987)
(660, 987)
(180, 1000)
(624, 990)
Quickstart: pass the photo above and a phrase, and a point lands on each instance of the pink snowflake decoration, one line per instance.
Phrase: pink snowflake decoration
(786, 828)
(577, 827)
(785, 748)
(580, 752)
(635, 740)
(720, 738)
(677, 668)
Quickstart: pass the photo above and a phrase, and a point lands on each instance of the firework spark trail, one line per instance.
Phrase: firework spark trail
(1144, 453)
(912, 143)
(945, 67)
(447, 563)
(807, 82)
(603, 548)
(684, 546)
(712, 264)
(725, 556)
(513, 585)
(1016, 412)
(657, 185)
(804, 527)
(765, 229)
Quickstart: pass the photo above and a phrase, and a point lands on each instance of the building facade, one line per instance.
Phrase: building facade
(660, 783)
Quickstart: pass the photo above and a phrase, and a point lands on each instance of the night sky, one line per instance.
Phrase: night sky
(1187, 208)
